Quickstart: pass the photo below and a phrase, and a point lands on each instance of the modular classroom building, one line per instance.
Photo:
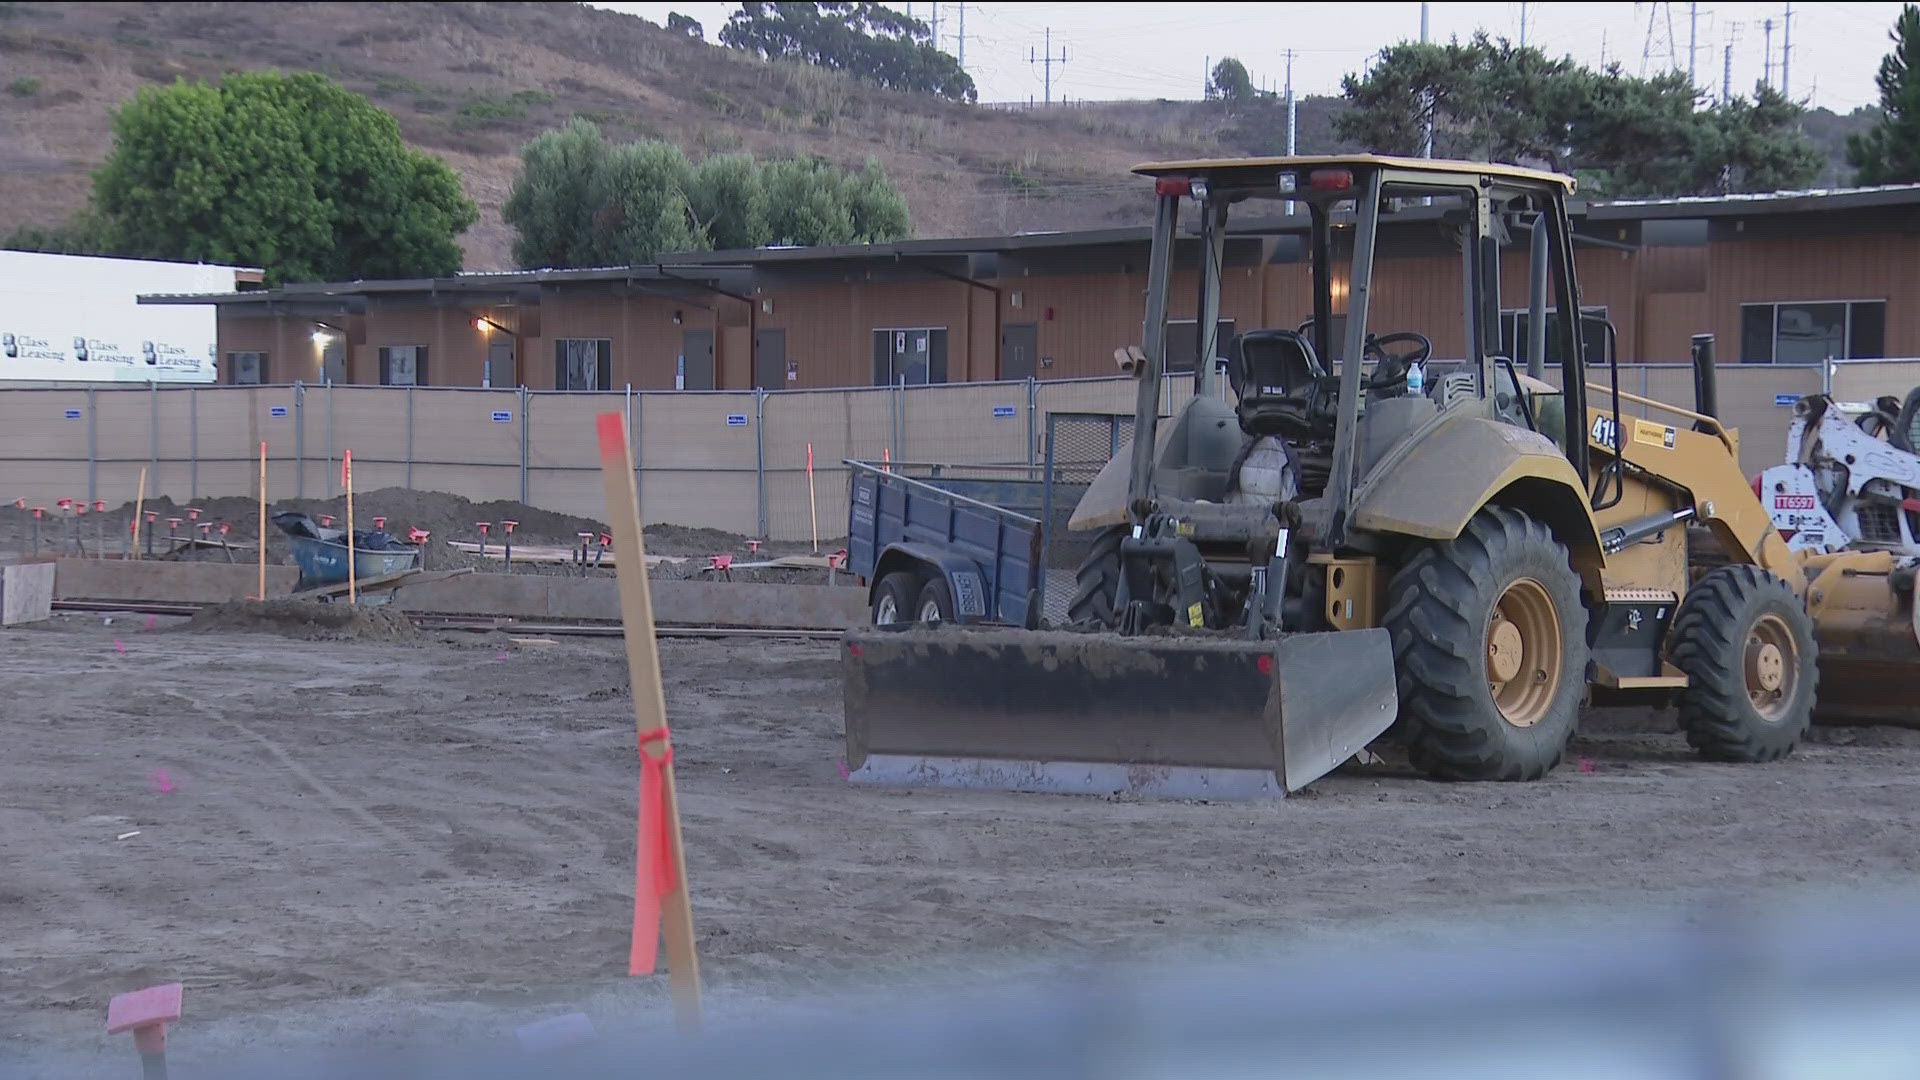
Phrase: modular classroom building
(1784, 278)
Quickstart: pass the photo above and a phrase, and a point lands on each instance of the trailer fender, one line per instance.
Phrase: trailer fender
(971, 599)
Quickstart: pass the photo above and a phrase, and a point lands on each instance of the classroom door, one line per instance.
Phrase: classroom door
(696, 361)
(1018, 345)
(770, 359)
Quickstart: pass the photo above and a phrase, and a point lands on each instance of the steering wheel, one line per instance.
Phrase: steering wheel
(1390, 368)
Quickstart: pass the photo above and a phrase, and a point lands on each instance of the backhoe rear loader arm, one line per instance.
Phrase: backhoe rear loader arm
(1706, 465)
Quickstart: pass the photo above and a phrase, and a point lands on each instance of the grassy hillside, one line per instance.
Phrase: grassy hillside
(471, 82)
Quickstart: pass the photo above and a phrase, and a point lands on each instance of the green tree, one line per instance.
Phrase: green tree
(82, 234)
(729, 199)
(291, 173)
(1230, 81)
(640, 205)
(1889, 153)
(1487, 99)
(816, 202)
(582, 201)
(551, 207)
(686, 24)
(870, 41)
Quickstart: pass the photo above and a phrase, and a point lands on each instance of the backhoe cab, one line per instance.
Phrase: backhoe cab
(1366, 532)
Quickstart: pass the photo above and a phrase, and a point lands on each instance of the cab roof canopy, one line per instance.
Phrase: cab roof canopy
(1242, 174)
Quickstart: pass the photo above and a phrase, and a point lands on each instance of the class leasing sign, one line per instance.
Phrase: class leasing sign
(74, 318)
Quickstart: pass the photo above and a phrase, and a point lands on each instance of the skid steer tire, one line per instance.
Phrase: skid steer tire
(1745, 642)
(1457, 610)
(1097, 582)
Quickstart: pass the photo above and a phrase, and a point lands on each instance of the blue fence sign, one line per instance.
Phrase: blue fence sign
(503, 416)
(736, 420)
(1001, 412)
(73, 414)
(276, 411)
(1785, 400)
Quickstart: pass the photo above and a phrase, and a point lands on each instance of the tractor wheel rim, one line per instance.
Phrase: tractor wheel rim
(1524, 652)
(1772, 668)
(887, 612)
(929, 611)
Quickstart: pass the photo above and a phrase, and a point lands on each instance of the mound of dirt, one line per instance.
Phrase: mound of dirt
(306, 620)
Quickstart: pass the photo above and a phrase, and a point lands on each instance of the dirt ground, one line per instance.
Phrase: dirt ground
(344, 840)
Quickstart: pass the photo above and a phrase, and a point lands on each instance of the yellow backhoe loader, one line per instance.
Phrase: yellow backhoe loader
(1362, 540)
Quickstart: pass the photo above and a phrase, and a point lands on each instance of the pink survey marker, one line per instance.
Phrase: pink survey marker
(146, 1013)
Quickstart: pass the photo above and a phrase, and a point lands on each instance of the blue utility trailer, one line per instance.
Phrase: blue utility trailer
(931, 554)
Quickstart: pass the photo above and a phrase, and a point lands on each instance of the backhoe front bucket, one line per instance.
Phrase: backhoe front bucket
(1868, 629)
(1056, 711)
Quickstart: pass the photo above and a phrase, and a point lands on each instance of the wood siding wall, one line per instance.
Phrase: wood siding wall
(1657, 298)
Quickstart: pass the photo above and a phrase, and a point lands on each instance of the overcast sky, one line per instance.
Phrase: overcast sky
(1133, 50)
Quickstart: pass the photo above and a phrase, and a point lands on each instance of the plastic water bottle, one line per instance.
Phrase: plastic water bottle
(1416, 380)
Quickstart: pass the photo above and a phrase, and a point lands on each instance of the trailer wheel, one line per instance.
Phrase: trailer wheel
(936, 601)
(1746, 643)
(1490, 650)
(1097, 582)
(893, 598)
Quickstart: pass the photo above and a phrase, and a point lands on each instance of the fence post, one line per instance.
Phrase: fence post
(526, 421)
(193, 443)
(410, 439)
(153, 435)
(329, 469)
(93, 427)
(1033, 422)
(633, 437)
(299, 439)
(760, 454)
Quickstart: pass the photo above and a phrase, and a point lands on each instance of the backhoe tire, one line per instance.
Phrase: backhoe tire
(1097, 582)
(1745, 642)
(1490, 649)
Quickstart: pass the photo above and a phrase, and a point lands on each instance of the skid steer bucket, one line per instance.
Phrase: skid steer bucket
(1056, 711)
(1868, 629)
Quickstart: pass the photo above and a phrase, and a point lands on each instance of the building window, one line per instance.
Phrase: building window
(583, 364)
(1183, 342)
(1810, 332)
(403, 365)
(247, 368)
(1516, 322)
(914, 356)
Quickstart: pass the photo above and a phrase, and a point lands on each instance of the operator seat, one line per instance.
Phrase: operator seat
(1274, 374)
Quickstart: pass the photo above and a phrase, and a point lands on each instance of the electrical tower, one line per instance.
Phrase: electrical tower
(1046, 60)
(1660, 39)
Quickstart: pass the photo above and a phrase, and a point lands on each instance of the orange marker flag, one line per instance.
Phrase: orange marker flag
(661, 904)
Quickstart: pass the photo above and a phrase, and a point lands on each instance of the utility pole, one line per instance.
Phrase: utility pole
(1726, 61)
(1292, 118)
(1046, 62)
(1786, 48)
(1426, 148)
(1766, 63)
(1523, 26)
(933, 23)
(963, 37)
(1206, 77)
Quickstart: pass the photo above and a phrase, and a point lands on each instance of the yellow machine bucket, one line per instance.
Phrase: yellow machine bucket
(1868, 628)
(1059, 711)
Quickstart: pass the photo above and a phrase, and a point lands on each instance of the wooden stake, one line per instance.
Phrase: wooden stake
(649, 711)
(346, 481)
(263, 522)
(139, 510)
(813, 508)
